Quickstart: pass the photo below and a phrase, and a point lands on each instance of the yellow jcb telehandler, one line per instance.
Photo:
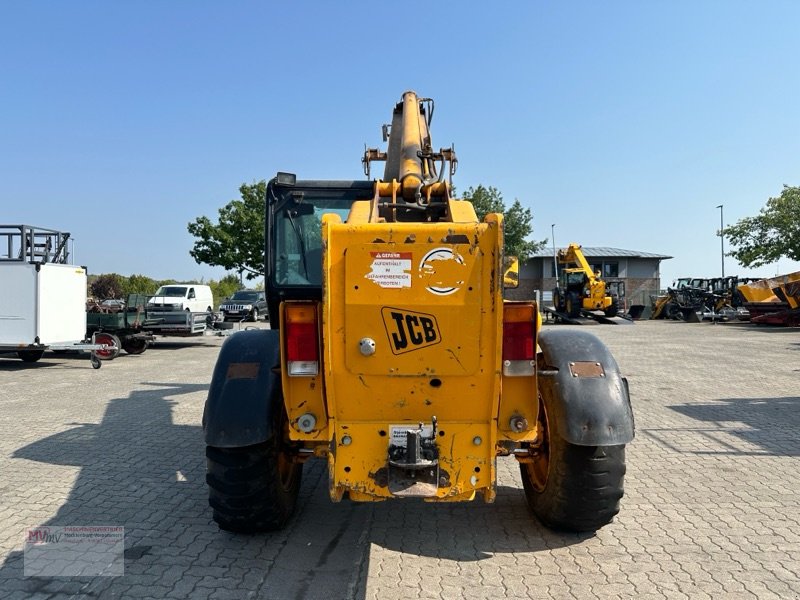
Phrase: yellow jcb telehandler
(580, 288)
(393, 356)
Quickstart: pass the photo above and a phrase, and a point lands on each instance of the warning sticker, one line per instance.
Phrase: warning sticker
(391, 269)
(399, 433)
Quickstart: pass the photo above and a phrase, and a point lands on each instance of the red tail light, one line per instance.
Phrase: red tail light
(519, 339)
(302, 339)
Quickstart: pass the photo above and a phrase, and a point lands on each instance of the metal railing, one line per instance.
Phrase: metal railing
(26, 243)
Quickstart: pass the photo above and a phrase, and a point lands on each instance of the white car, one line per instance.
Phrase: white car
(191, 297)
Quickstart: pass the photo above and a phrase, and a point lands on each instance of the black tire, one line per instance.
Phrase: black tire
(254, 315)
(612, 310)
(573, 305)
(134, 345)
(254, 488)
(574, 488)
(558, 300)
(30, 356)
(674, 312)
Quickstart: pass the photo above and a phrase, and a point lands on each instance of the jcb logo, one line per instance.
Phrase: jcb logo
(408, 330)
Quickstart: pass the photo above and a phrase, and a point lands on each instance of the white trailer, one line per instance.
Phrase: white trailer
(42, 295)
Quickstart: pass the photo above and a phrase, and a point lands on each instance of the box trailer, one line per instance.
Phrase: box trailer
(42, 295)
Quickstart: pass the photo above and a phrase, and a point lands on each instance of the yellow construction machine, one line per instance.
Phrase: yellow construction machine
(580, 288)
(774, 300)
(393, 356)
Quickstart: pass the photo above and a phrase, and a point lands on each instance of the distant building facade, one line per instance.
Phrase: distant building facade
(641, 272)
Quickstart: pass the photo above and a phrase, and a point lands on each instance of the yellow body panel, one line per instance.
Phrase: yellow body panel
(429, 301)
(304, 395)
(774, 290)
(360, 467)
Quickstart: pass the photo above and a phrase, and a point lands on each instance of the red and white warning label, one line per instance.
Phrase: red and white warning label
(391, 269)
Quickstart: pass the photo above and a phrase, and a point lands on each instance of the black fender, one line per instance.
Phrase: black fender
(244, 389)
(581, 383)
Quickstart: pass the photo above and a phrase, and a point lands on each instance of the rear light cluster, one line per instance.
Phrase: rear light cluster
(302, 339)
(519, 340)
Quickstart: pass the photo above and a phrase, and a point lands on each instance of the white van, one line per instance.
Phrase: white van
(192, 297)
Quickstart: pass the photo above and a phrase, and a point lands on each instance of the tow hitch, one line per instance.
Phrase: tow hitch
(414, 461)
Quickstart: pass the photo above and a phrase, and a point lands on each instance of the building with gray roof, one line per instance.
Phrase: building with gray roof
(639, 271)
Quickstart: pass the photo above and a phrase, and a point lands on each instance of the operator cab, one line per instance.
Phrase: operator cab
(294, 234)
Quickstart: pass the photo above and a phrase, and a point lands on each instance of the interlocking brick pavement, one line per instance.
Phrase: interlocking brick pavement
(712, 504)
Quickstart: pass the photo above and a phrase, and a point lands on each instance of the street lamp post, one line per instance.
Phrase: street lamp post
(721, 240)
(555, 261)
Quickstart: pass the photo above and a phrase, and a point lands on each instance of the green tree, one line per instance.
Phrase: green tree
(109, 285)
(773, 233)
(485, 200)
(140, 284)
(236, 242)
(225, 287)
(518, 220)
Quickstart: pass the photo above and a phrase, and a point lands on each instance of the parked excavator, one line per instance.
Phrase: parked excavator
(394, 356)
(692, 299)
(579, 288)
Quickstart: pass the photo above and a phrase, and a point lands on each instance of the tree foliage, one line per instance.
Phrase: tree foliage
(773, 233)
(236, 241)
(141, 284)
(113, 285)
(225, 287)
(109, 285)
(518, 220)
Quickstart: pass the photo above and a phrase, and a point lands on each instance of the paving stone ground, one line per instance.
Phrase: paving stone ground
(711, 509)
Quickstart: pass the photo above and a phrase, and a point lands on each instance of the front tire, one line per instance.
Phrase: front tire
(613, 309)
(254, 488)
(570, 487)
(573, 305)
(254, 315)
(111, 341)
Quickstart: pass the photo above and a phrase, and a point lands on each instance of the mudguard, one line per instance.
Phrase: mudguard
(581, 383)
(245, 385)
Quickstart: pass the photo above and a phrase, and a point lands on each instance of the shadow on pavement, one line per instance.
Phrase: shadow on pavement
(466, 531)
(770, 424)
(141, 470)
(69, 359)
(176, 343)
(136, 465)
(12, 364)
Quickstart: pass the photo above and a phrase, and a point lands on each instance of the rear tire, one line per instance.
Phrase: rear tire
(570, 487)
(134, 345)
(254, 488)
(30, 356)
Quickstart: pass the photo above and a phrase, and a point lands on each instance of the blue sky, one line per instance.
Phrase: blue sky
(624, 123)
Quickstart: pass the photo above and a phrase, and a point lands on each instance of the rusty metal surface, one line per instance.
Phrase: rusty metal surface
(243, 371)
(586, 369)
